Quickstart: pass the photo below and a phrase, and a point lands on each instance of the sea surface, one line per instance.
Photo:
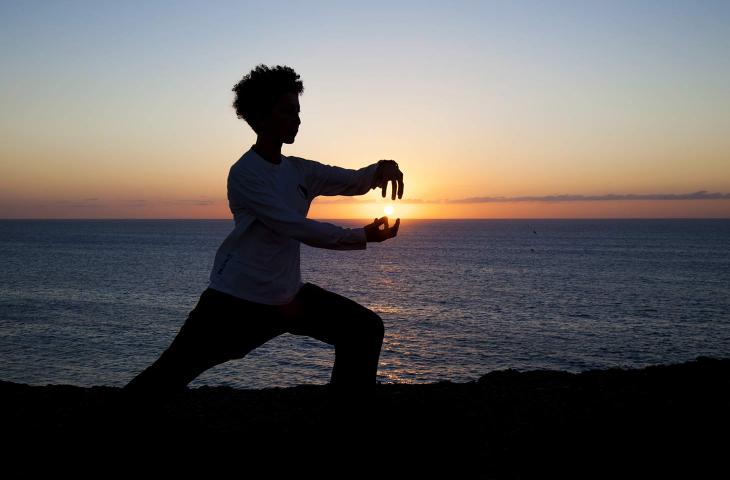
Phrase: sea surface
(94, 302)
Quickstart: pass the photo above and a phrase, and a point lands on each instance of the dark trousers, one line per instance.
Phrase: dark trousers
(222, 327)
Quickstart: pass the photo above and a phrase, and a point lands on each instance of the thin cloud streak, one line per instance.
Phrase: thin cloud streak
(95, 202)
(699, 195)
(192, 202)
(82, 203)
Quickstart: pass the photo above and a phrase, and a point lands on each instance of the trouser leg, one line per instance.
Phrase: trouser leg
(355, 331)
(178, 365)
(220, 328)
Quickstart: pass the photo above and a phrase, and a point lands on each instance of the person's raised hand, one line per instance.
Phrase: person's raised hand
(373, 233)
(388, 171)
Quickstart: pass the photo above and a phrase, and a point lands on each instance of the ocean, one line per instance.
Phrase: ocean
(94, 302)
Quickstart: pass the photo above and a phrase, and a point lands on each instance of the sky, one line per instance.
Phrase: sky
(510, 109)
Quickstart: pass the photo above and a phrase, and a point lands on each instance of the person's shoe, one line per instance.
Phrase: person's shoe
(353, 413)
(139, 410)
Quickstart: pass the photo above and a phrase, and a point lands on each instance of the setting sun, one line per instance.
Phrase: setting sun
(389, 210)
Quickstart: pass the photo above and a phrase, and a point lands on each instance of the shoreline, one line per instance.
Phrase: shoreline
(496, 421)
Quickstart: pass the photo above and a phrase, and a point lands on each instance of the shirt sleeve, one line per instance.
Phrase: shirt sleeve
(253, 194)
(331, 180)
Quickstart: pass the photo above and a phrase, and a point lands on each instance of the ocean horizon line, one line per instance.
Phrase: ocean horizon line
(368, 218)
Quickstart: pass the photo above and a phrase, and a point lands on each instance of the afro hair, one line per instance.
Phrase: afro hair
(260, 89)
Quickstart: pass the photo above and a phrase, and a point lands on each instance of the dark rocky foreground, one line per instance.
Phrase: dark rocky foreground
(508, 424)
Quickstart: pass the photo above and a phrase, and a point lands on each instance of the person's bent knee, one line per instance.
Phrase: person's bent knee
(367, 328)
(376, 325)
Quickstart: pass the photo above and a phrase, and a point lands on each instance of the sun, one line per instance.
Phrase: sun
(389, 210)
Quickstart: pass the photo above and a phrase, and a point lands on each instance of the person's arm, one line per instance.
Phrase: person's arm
(253, 194)
(331, 180)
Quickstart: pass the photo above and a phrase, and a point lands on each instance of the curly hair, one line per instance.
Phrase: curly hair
(259, 90)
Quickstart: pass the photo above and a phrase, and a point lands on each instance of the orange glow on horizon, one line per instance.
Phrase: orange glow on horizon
(217, 208)
(578, 209)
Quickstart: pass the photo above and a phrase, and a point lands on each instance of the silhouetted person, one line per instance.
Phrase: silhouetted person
(255, 291)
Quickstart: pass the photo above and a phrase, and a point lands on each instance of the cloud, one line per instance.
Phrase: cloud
(189, 201)
(341, 199)
(82, 203)
(137, 202)
(699, 195)
(141, 202)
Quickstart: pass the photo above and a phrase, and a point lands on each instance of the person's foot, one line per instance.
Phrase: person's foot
(139, 410)
(353, 413)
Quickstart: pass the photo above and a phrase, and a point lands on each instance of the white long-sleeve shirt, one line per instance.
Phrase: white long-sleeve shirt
(259, 260)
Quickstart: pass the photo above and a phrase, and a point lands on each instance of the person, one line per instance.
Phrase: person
(255, 291)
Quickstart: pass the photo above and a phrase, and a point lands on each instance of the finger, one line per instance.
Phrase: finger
(385, 222)
(393, 189)
(400, 188)
(384, 186)
(396, 226)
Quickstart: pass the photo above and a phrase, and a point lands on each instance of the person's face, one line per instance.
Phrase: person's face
(283, 123)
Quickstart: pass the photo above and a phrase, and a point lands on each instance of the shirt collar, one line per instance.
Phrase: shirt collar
(272, 165)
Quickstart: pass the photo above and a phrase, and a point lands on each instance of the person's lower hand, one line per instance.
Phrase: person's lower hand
(373, 233)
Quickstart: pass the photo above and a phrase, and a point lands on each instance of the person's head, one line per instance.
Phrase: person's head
(268, 100)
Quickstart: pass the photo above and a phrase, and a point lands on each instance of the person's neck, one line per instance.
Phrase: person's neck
(268, 150)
